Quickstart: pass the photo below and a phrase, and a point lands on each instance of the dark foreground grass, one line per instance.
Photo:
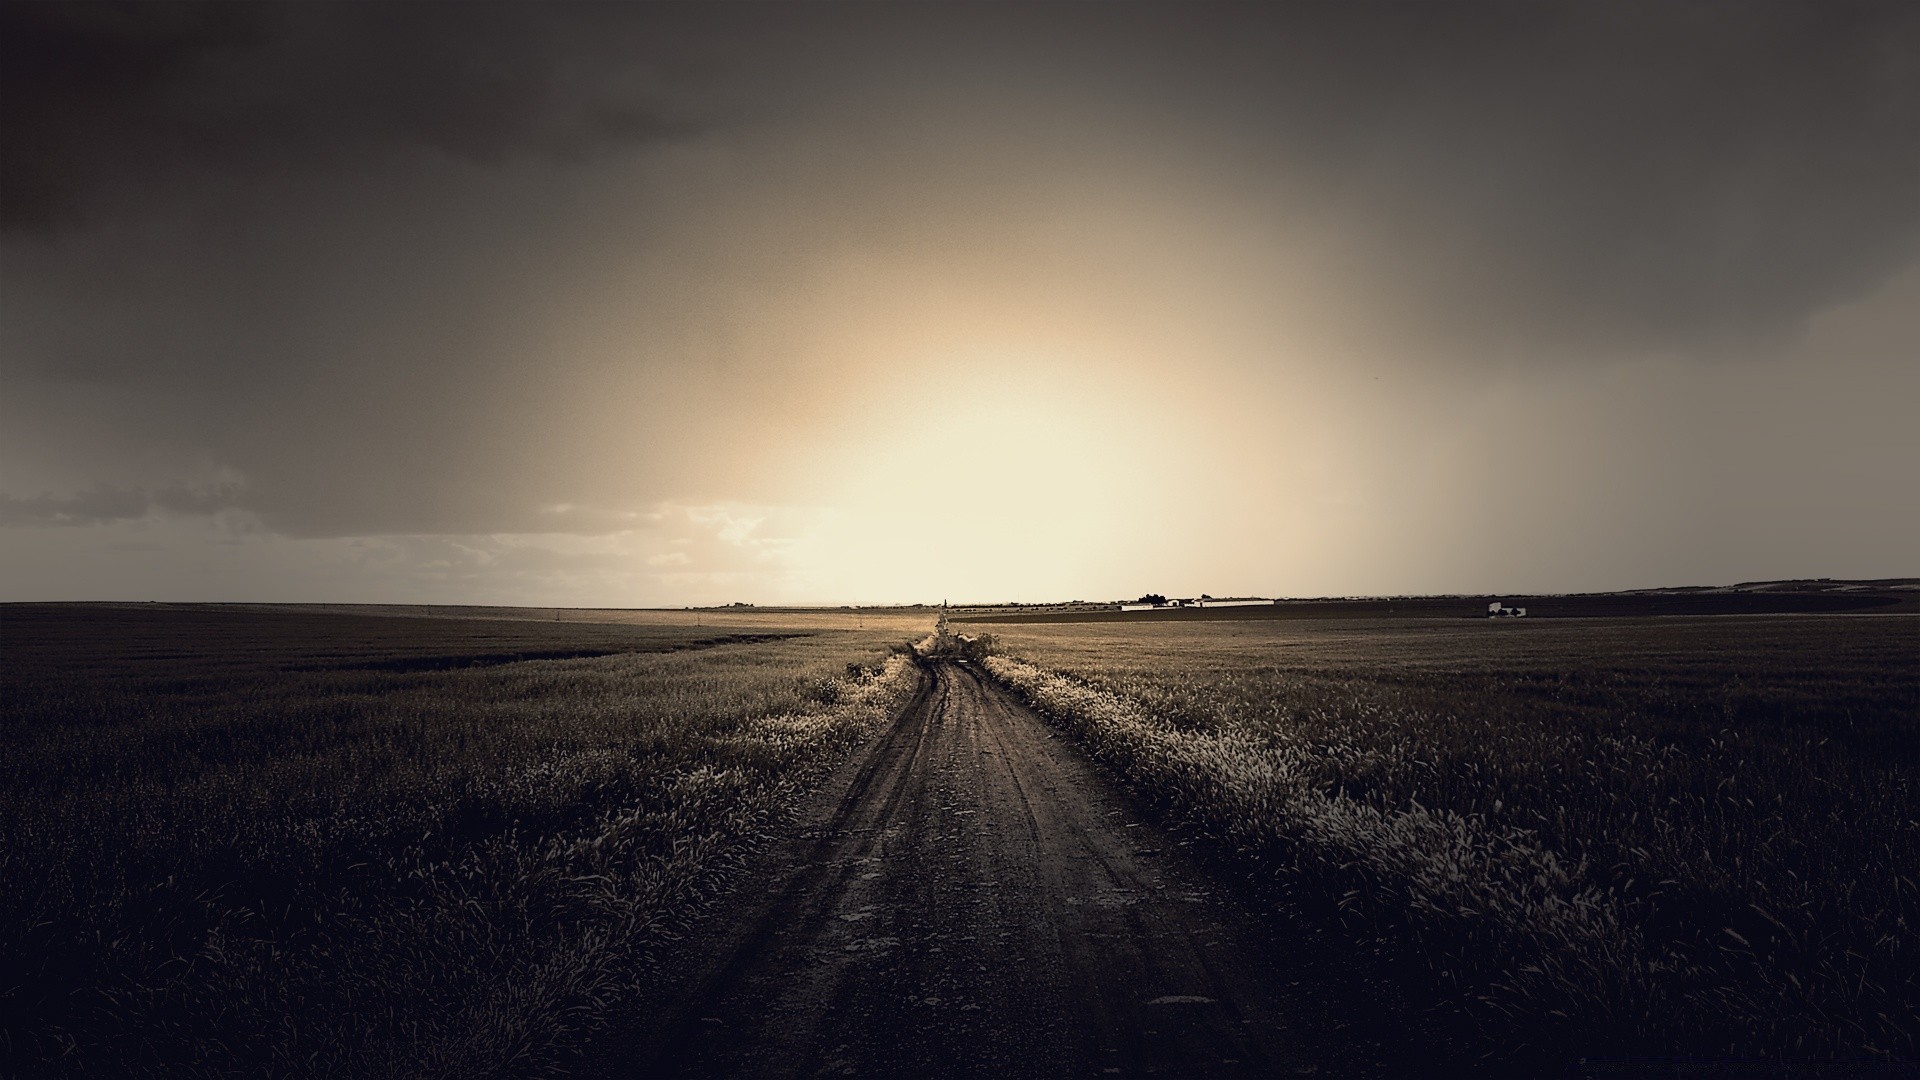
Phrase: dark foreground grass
(264, 843)
(1666, 837)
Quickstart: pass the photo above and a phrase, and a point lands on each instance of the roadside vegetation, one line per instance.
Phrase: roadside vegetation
(945, 644)
(269, 843)
(1685, 836)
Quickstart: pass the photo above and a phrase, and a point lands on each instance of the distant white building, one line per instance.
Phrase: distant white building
(1496, 610)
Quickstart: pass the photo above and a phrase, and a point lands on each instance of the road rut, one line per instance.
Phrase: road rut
(970, 898)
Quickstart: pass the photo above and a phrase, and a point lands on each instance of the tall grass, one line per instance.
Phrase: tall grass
(278, 845)
(1675, 836)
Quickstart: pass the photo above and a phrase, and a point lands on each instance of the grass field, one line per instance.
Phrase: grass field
(260, 841)
(305, 842)
(1668, 836)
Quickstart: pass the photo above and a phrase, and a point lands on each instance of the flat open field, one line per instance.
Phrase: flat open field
(380, 842)
(251, 841)
(1611, 836)
(1894, 596)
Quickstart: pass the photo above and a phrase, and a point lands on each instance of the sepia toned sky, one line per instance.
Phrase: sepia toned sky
(659, 305)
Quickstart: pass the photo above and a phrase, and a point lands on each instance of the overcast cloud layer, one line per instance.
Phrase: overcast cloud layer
(624, 304)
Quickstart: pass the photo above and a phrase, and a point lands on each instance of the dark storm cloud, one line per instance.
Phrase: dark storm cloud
(1577, 178)
(1622, 174)
(1565, 175)
(327, 246)
(1614, 175)
(105, 503)
(100, 99)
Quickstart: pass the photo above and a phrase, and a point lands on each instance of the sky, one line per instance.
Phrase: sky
(629, 305)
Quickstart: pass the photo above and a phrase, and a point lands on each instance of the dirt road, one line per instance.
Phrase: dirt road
(970, 898)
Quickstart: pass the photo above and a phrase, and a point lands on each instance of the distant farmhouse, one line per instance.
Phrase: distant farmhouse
(1156, 602)
(1496, 611)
